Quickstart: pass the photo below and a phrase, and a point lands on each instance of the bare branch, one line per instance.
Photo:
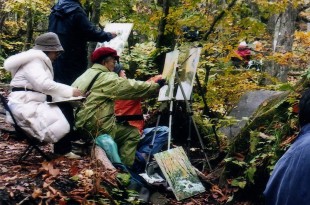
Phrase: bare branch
(217, 19)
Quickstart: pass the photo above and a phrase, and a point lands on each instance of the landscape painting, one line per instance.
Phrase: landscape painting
(171, 61)
(118, 43)
(179, 173)
(187, 76)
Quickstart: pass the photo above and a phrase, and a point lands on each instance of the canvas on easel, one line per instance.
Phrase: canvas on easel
(118, 43)
(179, 173)
(166, 92)
(187, 76)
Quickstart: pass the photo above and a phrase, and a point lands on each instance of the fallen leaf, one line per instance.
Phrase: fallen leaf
(74, 170)
(54, 172)
(4, 170)
(62, 202)
(239, 156)
(20, 188)
(37, 192)
(54, 191)
(10, 178)
(89, 173)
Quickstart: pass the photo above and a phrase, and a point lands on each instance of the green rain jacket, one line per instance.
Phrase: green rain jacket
(96, 115)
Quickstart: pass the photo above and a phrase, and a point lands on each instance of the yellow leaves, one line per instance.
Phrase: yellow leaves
(225, 90)
(302, 38)
(283, 58)
(20, 6)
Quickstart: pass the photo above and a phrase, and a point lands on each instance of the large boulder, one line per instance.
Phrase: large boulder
(247, 106)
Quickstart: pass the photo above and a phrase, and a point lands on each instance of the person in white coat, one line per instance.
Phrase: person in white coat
(32, 84)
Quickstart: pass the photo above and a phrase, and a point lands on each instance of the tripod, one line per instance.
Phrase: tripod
(191, 121)
(189, 112)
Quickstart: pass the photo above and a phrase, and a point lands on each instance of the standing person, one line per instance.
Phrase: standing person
(69, 21)
(96, 116)
(32, 82)
(289, 182)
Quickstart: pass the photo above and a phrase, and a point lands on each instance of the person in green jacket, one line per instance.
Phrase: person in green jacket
(96, 115)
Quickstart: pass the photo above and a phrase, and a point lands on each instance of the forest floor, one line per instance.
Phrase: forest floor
(75, 181)
(35, 181)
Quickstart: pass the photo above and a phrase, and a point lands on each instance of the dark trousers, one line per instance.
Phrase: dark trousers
(64, 145)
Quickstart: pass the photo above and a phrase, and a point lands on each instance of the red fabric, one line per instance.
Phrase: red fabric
(244, 53)
(130, 107)
(103, 51)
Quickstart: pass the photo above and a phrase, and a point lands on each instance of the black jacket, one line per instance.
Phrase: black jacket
(69, 21)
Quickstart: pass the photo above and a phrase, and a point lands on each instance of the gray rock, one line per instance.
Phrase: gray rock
(246, 107)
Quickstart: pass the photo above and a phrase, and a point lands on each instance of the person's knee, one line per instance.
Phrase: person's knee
(105, 140)
(135, 135)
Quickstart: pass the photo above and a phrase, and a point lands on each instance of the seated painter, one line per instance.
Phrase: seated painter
(32, 85)
(130, 112)
(96, 115)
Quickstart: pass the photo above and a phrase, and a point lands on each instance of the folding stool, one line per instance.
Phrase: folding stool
(33, 143)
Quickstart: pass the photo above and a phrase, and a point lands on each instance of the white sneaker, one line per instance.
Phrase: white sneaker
(71, 155)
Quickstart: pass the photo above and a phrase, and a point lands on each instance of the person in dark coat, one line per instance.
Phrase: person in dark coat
(69, 21)
(289, 182)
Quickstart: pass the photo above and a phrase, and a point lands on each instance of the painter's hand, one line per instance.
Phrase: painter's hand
(114, 34)
(77, 92)
(161, 82)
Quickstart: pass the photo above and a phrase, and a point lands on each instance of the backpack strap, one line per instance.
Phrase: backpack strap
(92, 82)
(88, 88)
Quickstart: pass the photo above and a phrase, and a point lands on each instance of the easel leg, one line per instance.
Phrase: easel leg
(170, 123)
(207, 111)
(189, 111)
(152, 143)
(202, 144)
(189, 135)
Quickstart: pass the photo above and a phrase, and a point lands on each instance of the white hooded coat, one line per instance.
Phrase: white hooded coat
(33, 70)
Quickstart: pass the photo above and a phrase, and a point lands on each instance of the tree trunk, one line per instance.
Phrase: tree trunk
(102, 157)
(95, 17)
(254, 9)
(164, 40)
(29, 30)
(162, 24)
(282, 27)
(3, 16)
(109, 170)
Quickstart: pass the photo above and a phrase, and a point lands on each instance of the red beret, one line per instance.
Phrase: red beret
(103, 52)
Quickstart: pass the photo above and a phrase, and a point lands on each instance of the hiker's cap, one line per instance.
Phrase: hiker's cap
(102, 52)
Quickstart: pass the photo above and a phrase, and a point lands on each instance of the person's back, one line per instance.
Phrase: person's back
(32, 83)
(69, 21)
(244, 52)
(96, 116)
(289, 182)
